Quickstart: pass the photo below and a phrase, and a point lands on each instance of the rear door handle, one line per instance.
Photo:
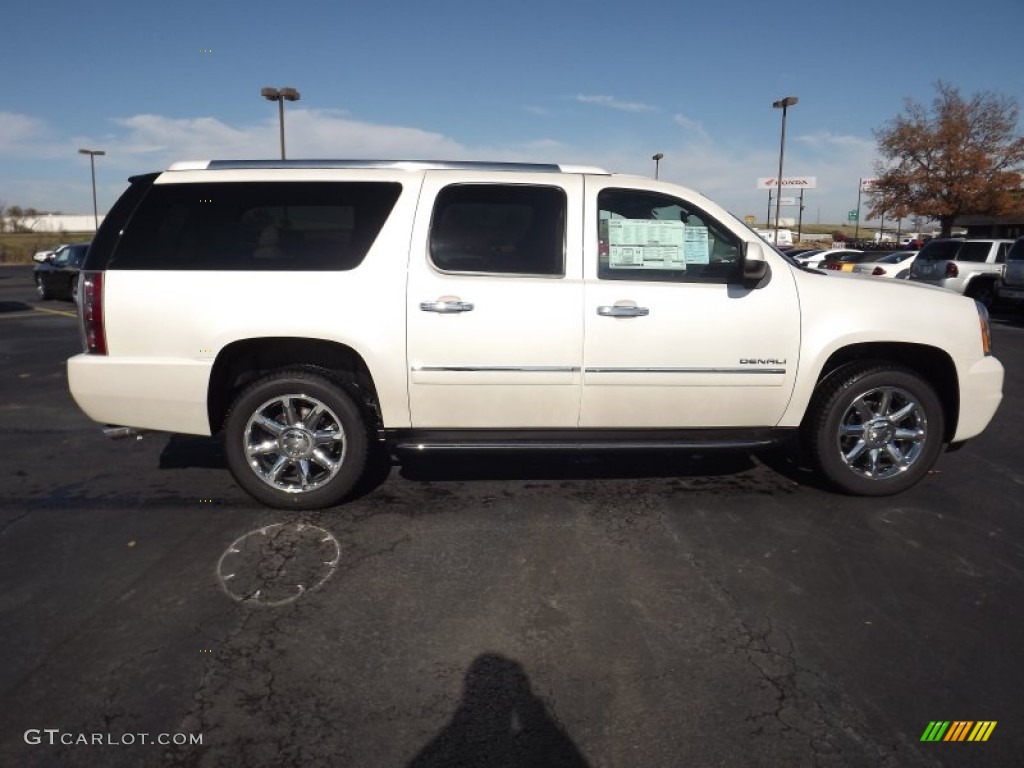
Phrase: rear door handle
(446, 307)
(617, 311)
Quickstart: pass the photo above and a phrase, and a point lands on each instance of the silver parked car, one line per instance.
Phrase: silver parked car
(968, 266)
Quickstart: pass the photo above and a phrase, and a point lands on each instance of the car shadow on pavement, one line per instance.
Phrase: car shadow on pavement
(14, 306)
(193, 452)
(572, 465)
(500, 722)
(199, 452)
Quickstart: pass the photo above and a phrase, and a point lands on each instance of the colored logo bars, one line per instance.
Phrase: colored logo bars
(958, 730)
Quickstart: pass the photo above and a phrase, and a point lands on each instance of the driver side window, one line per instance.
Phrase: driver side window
(649, 236)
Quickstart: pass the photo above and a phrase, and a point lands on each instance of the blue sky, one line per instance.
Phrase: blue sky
(570, 81)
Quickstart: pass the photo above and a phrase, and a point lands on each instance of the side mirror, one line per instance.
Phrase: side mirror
(755, 262)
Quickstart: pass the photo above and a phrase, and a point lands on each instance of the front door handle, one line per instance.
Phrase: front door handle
(446, 307)
(619, 311)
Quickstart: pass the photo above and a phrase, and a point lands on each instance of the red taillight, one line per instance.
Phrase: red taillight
(951, 269)
(90, 293)
(878, 271)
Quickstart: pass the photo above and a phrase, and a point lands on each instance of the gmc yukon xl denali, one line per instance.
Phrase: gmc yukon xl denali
(313, 310)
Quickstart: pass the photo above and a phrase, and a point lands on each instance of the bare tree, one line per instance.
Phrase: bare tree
(961, 156)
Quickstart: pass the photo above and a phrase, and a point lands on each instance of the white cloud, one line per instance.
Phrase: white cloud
(18, 129)
(612, 103)
(690, 126)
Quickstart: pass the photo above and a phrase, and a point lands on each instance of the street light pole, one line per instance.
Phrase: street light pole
(782, 104)
(280, 95)
(856, 230)
(657, 159)
(92, 166)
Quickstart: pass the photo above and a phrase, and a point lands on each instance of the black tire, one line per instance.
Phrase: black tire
(285, 462)
(983, 292)
(74, 289)
(876, 456)
(42, 291)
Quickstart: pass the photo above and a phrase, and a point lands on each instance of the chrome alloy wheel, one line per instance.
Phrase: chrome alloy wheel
(882, 433)
(294, 443)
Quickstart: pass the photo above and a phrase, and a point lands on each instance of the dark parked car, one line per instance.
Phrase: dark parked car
(58, 275)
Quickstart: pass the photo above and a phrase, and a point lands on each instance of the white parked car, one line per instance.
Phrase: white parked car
(320, 308)
(896, 264)
(814, 260)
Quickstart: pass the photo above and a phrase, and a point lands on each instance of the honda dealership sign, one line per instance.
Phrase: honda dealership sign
(792, 182)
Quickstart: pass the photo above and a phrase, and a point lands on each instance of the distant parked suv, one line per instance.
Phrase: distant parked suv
(311, 311)
(968, 266)
(1011, 287)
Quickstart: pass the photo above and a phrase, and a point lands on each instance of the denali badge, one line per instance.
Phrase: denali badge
(761, 361)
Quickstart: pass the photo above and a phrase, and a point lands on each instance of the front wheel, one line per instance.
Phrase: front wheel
(42, 291)
(875, 430)
(296, 440)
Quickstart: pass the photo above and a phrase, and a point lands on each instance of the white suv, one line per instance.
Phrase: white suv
(968, 266)
(309, 310)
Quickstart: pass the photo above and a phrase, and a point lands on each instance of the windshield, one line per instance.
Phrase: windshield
(896, 258)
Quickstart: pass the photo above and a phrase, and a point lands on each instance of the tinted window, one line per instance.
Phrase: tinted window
(109, 233)
(940, 250)
(1016, 251)
(256, 226)
(648, 236)
(503, 229)
(974, 251)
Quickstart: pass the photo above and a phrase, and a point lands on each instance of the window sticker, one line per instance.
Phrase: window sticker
(647, 244)
(696, 246)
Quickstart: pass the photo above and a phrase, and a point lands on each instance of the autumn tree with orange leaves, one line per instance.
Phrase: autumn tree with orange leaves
(961, 156)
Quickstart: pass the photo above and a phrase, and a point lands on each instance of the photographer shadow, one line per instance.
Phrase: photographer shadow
(499, 724)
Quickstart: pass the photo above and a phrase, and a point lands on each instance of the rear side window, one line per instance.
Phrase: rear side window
(1016, 251)
(499, 229)
(293, 226)
(976, 251)
(109, 234)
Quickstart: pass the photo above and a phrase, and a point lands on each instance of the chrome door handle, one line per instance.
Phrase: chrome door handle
(446, 307)
(617, 311)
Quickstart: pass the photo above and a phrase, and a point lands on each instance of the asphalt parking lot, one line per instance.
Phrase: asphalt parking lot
(660, 610)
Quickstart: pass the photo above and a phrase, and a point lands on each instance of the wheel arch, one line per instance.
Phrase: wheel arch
(934, 365)
(247, 360)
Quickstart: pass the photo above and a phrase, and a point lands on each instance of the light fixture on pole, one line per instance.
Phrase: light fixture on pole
(280, 95)
(657, 158)
(782, 104)
(92, 166)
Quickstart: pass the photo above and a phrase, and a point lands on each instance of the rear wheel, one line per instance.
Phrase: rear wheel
(983, 292)
(296, 440)
(875, 430)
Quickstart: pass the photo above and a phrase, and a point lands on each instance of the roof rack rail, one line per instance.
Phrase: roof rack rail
(454, 165)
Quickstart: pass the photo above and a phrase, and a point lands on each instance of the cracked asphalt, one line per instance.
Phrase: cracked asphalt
(655, 610)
